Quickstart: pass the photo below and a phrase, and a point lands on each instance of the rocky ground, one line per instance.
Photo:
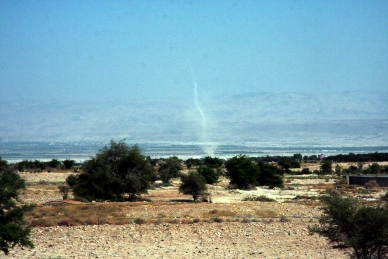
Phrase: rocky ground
(198, 240)
(256, 230)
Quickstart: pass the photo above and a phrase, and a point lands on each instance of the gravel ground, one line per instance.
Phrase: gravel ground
(199, 240)
(264, 237)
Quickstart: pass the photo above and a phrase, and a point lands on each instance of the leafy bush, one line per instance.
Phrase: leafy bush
(64, 222)
(116, 173)
(218, 220)
(140, 221)
(326, 168)
(64, 189)
(170, 169)
(372, 185)
(349, 225)
(210, 174)
(12, 229)
(68, 164)
(244, 173)
(193, 184)
(262, 198)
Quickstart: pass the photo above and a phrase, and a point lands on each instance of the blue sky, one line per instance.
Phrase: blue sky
(136, 49)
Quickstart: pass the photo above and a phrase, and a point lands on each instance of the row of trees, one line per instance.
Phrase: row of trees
(120, 172)
(351, 157)
(374, 168)
(37, 165)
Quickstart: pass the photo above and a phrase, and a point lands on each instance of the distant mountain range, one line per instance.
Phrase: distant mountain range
(346, 119)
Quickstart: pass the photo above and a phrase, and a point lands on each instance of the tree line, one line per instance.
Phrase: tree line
(121, 172)
(352, 157)
(38, 166)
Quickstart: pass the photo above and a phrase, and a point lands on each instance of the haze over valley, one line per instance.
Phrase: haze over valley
(257, 120)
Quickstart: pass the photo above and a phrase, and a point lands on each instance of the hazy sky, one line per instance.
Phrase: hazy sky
(131, 49)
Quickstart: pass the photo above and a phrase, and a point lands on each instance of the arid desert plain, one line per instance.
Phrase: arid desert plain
(170, 225)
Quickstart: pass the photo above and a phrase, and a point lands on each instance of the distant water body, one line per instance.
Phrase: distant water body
(81, 151)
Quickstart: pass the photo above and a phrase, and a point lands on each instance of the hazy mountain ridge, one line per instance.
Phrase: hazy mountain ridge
(250, 117)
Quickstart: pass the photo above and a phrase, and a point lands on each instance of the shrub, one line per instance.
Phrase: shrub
(349, 225)
(246, 220)
(170, 169)
(305, 171)
(12, 230)
(64, 189)
(210, 174)
(283, 218)
(64, 222)
(218, 220)
(193, 184)
(42, 223)
(262, 198)
(173, 221)
(244, 173)
(139, 221)
(220, 213)
(326, 168)
(116, 173)
(372, 184)
(341, 181)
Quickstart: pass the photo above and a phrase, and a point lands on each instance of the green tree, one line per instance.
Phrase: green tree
(244, 173)
(297, 157)
(338, 170)
(116, 173)
(210, 174)
(349, 225)
(326, 167)
(192, 161)
(3, 164)
(193, 184)
(213, 162)
(54, 163)
(373, 169)
(68, 163)
(269, 175)
(288, 162)
(170, 169)
(12, 230)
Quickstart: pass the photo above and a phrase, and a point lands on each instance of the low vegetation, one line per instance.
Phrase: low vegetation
(261, 198)
(12, 209)
(245, 174)
(355, 227)
(116, 173)
(193, 184)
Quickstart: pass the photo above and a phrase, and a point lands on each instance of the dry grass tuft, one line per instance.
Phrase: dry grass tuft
(266, 213)
(220, 213)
